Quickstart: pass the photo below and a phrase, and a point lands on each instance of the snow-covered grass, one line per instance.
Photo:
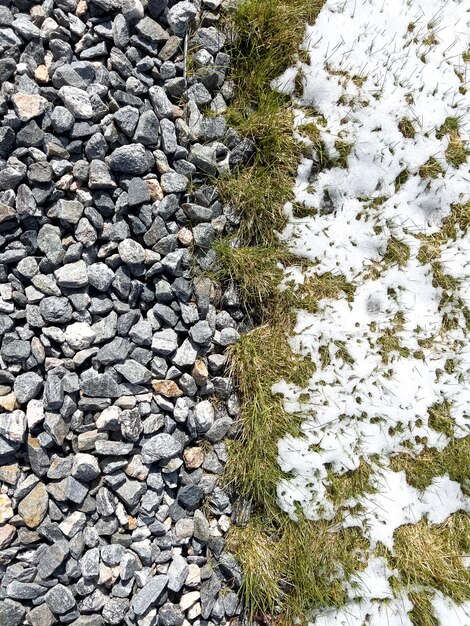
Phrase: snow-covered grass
(382, 201)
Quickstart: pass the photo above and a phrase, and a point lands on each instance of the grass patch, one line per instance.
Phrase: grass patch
(401, 179)
(302, 570)
(389, 342)
(450, 125)
(430, 556)
(351, 484)
(267, 35)
(456, 224)
(420, 470)
(262, 358)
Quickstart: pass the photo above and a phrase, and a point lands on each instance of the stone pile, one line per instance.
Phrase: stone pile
(114, 405)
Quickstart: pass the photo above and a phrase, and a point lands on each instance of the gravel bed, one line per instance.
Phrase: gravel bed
(114, 400)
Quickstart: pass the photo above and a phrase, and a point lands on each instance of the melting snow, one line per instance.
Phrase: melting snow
(373, 64)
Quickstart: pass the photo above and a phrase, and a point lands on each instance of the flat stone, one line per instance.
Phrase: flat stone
(52, 557)
(77, 102)
(160, 447)
(59, 599)
(151, 594)
(100, 386)
(70, 211)
(73, 275)
(177, 573)
(133, 372)
(13, 426)
(28, 106)
(167, 388)
(33, 507)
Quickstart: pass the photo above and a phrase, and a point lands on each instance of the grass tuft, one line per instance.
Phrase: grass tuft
(431, 169)
(457, 151)
(406, 127)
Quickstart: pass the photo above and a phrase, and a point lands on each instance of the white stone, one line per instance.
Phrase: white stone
(34, 413)
(79, 335)
(204, 415)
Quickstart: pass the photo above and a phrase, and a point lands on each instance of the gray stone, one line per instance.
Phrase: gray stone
(11, 613)
(126, 118)
(186, 354)
(24, 591)
(228, 336)
(100, 276)
(62, 119)
(27, 386)
(113, 448)
(59, 599)
(100, 386)
(131, 159)
(131, 492)
(174, 183)
(116, 350)
(209, 592)
(112, 554)
(148, 129)
(150, 29)
(90, 563)
(190, 496)
(165, 342)
(201, 332)
(161, 104)
(151, 594)
(13, 425)
(69, 211)
(55, 310)
(115, 609)
(15, 350)
(138, 192)
(52, 557)
(53, 392)
(99, 176)
(204, 415)
(40, 616)
(170, 615)
(210, 39)
(180, 15)
(161, 447)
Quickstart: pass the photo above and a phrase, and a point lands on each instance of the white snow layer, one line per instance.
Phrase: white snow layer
(373, 64)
